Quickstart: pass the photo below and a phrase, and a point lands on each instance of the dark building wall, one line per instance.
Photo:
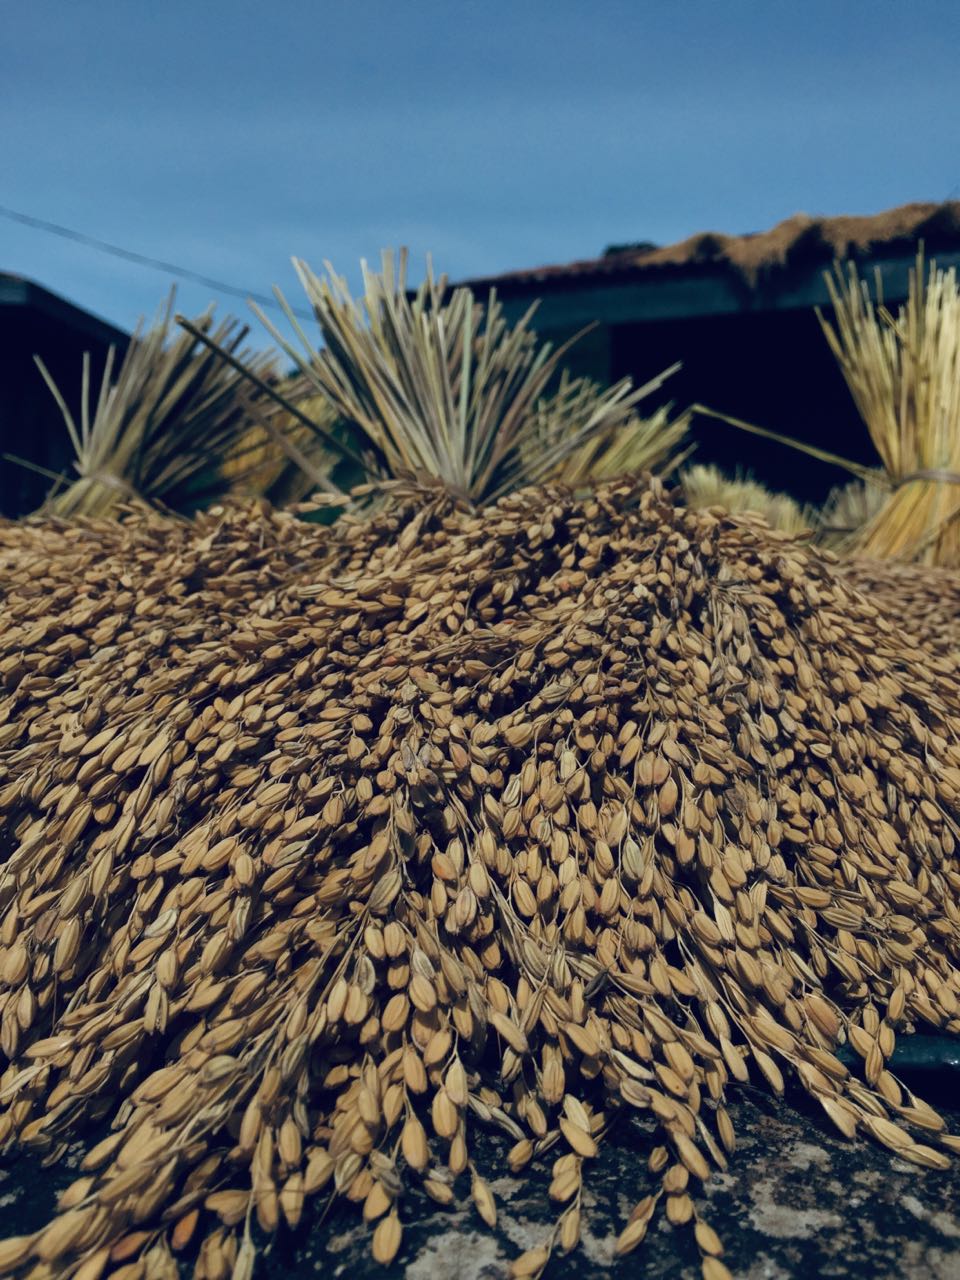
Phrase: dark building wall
(31, 424)
(591, 356)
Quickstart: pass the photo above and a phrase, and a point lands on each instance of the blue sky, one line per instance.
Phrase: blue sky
(230, 137)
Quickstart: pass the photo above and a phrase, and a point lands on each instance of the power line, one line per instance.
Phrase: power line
(142, 259)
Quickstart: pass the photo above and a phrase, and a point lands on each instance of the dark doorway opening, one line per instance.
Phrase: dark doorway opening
(773, 369)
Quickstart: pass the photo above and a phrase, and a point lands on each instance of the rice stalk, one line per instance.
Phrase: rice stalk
(847, 509)
(904, 375)
(438, 386)
(159, 427)
(619, 440)
(280, 458)
(706, 486)
(573, 809)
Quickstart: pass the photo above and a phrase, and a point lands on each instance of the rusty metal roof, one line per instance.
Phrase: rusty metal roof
(801, 241)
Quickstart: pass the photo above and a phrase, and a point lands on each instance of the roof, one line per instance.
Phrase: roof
(18, 291)
(801, 242)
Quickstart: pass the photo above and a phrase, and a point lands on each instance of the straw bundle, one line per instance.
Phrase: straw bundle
(158, 433)
(707, 486)
(848, 508)
(438, 386)
(281, 458)
(904, 375)
(617, 441)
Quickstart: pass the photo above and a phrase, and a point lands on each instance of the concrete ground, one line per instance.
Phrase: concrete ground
(798, 1201)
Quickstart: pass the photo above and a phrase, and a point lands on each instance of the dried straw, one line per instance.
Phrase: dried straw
(158, 433)
(619, 441)
(279, 457)
(707, 486)
(847, 509)
(904, 375)
(440, 387)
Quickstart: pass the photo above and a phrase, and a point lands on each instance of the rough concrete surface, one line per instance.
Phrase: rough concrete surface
(797, 1201)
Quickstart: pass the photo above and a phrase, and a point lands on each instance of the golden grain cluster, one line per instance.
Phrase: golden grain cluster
(925, 596)
(322, 847)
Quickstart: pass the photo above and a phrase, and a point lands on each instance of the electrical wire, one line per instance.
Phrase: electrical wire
(143, 260)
